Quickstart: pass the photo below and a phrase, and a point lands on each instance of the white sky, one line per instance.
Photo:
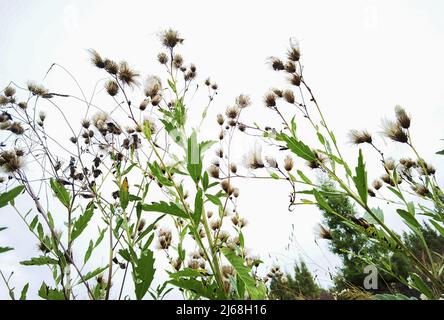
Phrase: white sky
(361, 58)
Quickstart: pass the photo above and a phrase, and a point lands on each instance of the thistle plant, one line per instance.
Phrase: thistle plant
(409, 185)
(133, 174)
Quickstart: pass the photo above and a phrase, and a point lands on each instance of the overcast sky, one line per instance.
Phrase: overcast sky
(361, 57)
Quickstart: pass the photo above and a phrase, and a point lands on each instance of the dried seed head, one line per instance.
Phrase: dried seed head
(290, 67)
(23, 105)
(394, 131)
(358, 137)
(162, 58)
(233, 168)
(371, 193)
(407, 163)
(214, 86)
(288, 163)
(389, 164)
(319, 160)
(213, 171)
(215, 224)
(276, 63)
(4, 100)
(143, 105)
(220, 153)
(243, 101)
(165, 238)
(236, 193)
(86, 123)
(272, 163)
(377, 184)
(141, 225)
(177, 61)
(127, 75)
(96, 59)
(111, 67)
(156, 100)
(289, 96)
(421, 190)
(170, 38)
(242, 127)
(232, 112)
(16, 128)
(402, 117)
(37, 89)
(10, 162)
(270, 99)
(424, 168)
(227, 187)
(323, 232)
(294, 53)
(220, 119)
(9, 92)
(253, 160)
(153, 85)
(295, 80)
(73, 139)
(112, 88)
(278, 92)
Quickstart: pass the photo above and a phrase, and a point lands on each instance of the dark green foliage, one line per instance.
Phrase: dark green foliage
(301, 285)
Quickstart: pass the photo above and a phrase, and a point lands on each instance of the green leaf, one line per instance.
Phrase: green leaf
(397, 296)
(48, 293)
(297, 147)
(441, 153)
(172, 86)
(124, 194)
(144, 273)
(243, 273)
(196, 286)
(421, 286)
(163, 207)
(438, 227)
(60, 192)
(409, 218)
(304, 177)
(24, 292)
(92, 274)
(361, 178)
(88, 251)
(194, 161)
(39, 261)
(205, 181)
(214, 199)
(378, 213)
(157, 172)
(274, 175)
(82, 222)
(5, 249)
(10, 195)
(198, 207)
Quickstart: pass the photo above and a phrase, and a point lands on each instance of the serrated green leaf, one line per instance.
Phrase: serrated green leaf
(24, 292)
(60, 192)
(39, 261)
(48, 293)
(163, 207)
(92, 274)
(82, 222)
(297, 147)
(144, 273)
(360, 179)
